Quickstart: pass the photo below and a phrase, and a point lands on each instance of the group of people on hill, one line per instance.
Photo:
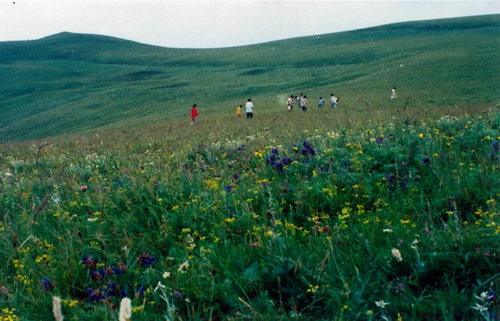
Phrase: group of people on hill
(301, 101)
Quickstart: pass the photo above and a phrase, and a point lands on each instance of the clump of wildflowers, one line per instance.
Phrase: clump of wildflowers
(487, 300)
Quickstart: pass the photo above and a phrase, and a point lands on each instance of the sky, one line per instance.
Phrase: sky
(214, 23)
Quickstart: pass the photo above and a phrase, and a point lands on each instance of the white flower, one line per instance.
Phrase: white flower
(483, 296)
(480, 308)
(166, 275)
(159, 286)
(381, 304)
(397, 254)
(183, 267)
(125, 309)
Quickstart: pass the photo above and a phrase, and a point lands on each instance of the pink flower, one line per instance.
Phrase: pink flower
(83, 188)
(254, 244)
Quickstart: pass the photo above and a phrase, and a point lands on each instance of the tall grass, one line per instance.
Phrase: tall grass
(310, 216)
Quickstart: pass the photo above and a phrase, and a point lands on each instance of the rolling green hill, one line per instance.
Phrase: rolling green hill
(74, 83)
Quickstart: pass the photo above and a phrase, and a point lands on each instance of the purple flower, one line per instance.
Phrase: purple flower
(114, 290)
(177, 295)
(379, 139)
(110, 270)
(96, 295)
(495, 146)
(426, 161)
(308, 149)
(228, 188)
(89, 261)
(146, 259)
(140, 291)
(390, 178)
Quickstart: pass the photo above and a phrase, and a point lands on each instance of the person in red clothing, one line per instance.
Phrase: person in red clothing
(194, 114)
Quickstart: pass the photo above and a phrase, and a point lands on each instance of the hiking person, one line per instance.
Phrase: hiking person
(289, 103)
(334, 101)
(194, 114)
(393, 93)
(304, 103)
(321, 102)
(298, 99)
(249, 108)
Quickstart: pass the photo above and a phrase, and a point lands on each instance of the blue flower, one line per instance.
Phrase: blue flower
(46, 284)
(426, 161)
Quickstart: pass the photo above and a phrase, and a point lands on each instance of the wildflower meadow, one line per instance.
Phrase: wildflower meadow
(263, 219)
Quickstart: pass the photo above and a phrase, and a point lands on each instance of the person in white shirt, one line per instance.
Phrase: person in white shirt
(304, 103)
(393, 93)
(249, 108)
(334, 100)
(289, 103)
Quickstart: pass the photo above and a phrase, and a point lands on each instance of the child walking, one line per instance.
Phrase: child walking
(194, 114)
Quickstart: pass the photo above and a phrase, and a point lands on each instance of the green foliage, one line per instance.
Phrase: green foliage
(315, 216)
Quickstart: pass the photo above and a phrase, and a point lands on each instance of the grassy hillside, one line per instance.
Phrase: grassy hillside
(73, 83)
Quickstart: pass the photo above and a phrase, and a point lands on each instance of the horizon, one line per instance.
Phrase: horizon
(204, 24)
(312, 35)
